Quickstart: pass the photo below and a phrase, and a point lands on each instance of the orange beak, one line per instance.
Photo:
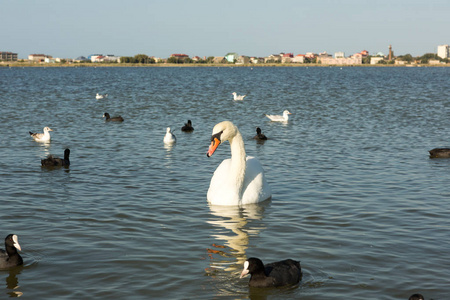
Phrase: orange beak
(214, 144)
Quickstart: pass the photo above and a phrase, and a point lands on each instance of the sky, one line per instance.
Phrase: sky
(69, 29)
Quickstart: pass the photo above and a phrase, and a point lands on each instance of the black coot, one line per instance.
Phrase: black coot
(10, 257)
(279, 273)
(53, 161)
(187, 127)
(259, 135)
(114, 119)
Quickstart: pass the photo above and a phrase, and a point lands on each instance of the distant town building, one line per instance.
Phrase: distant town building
(38, 57)
(96, 58)
(8, 56)
(286, 57)
(443, 51)
(231, 57)
(81, 59)
(328, 60)
(273, 58)
(111, 58)
(299, 58)
(243, 59)
(219, 59)
(376, 59)
(257, 60)
(179, 55)
(339, 55)
(49, 60)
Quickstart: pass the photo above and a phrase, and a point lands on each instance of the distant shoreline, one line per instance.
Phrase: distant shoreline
(195, 65)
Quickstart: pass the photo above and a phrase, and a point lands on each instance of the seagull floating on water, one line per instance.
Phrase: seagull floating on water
(41, 137)
(278, 118)
(169, 138)
(238, 97)
(101, 96)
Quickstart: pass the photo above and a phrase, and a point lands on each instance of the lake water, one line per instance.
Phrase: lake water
(355, 196)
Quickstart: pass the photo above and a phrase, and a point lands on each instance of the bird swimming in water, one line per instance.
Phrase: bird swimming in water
(259, 136)
(41, 137)
(53, 161)
(187, 127)
(169, 138)
(278, 118)
(238, 97)
(114, 119)
(10, 257)
(275, 274)
(440, 153)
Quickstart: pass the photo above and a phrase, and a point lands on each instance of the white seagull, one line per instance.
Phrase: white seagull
(101, 96)
(169, 138)
(238, 97)
(41, 137)
(278, 118)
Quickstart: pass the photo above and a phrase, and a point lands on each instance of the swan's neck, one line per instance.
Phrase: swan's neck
(238, 161)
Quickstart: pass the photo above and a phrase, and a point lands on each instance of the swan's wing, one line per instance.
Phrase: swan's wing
(256, 187)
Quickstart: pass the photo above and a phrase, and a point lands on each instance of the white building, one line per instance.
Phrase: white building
(443, 51)
(339, 55)
(375, 59)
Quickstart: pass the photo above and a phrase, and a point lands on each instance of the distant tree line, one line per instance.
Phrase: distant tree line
(137, 59)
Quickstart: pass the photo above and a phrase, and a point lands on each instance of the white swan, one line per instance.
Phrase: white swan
(278, 118)
(169, 138)
(240, 179)
(238, 97)
(100, 96)
(41, 137)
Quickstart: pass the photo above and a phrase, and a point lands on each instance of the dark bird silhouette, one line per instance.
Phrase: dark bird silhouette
(259, 135)
(10, 257)
(114, 119)
(440, 153)
(279, 273)
(53, 161)
(187, 127)
(416, 297)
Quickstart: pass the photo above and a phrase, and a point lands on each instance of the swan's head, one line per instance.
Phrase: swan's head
(224, 131)
(258, 130)
(47, 129)
(168, 130)
(233, 93)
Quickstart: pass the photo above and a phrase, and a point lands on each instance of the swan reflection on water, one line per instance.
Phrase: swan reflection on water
(234, 226)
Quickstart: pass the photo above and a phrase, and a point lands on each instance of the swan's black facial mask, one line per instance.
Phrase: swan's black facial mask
(216, 136)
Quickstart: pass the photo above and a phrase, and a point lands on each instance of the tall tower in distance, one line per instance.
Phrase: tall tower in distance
(390, 52)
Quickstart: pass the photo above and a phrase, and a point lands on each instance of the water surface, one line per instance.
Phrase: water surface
(355, 197)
